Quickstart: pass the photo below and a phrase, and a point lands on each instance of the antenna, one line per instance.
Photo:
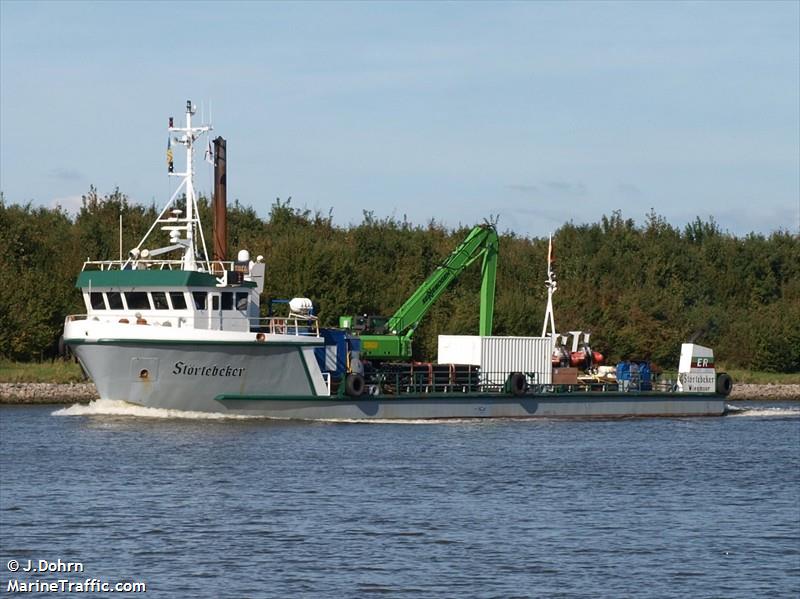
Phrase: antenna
(189, 224)
(551, 285)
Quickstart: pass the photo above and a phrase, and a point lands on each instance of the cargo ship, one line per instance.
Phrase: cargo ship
(172, 327)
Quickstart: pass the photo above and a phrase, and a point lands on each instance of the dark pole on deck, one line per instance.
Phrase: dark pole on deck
(220, 201)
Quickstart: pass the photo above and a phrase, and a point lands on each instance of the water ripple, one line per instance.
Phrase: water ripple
(219, 507)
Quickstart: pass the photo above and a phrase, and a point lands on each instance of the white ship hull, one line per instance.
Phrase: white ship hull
(282, 380)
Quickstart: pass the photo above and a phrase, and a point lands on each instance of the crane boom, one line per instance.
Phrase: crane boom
(481, 242)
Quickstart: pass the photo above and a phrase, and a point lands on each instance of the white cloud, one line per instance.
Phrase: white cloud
(70, 204)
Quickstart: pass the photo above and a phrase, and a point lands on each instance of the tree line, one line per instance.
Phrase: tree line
(641, 290)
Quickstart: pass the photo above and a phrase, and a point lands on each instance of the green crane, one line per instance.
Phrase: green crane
(398, 331)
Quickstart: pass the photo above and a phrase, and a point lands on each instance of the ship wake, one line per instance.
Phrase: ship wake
(113, 407)
(764, 411)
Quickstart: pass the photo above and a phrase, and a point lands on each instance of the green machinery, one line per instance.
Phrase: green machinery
(388, 339)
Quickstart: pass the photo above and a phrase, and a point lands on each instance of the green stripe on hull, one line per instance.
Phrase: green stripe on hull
(228, 397)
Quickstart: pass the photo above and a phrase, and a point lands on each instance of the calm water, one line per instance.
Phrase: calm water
(704, 507)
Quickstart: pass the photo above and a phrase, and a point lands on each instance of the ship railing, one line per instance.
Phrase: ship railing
(636, 382)
(466, 381)
(217, 266)
(134, 317)
(74, 317)
(290, 325)
(296, 325)
(475, 381)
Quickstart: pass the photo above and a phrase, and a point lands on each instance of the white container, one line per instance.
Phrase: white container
(499, 356)
(529, 355)
(459, 349)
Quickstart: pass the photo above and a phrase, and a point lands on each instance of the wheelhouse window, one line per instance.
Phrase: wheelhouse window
(160, 300)
(178, 300)
(96, 301)
(241, 301)
(214, 303)
(199, 299)
(137, 300)
(114, 300)
(227, 300)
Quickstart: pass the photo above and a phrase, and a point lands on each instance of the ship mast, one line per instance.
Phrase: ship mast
(189, 225)
(551, 285)
(192, 218)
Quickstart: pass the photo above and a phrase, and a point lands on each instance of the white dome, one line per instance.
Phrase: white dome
(301, 305)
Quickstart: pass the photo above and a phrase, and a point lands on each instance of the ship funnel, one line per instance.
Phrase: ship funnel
(220, 201)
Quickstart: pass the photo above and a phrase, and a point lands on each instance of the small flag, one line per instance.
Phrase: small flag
(169, 154)
(209, 153)
(551, 257)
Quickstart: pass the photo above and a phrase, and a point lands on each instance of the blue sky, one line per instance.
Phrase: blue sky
(538, 112)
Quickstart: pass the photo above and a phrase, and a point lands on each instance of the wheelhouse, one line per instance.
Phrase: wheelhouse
(170, 298)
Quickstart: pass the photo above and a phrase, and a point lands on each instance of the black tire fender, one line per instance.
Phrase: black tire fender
(354, 385)
(517, 384)
(724, 384)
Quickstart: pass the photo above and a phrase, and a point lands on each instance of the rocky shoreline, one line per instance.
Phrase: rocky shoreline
(53, 393)
(769, 391)
(47, 393)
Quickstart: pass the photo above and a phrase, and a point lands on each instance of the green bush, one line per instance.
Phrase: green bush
(640, 290)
